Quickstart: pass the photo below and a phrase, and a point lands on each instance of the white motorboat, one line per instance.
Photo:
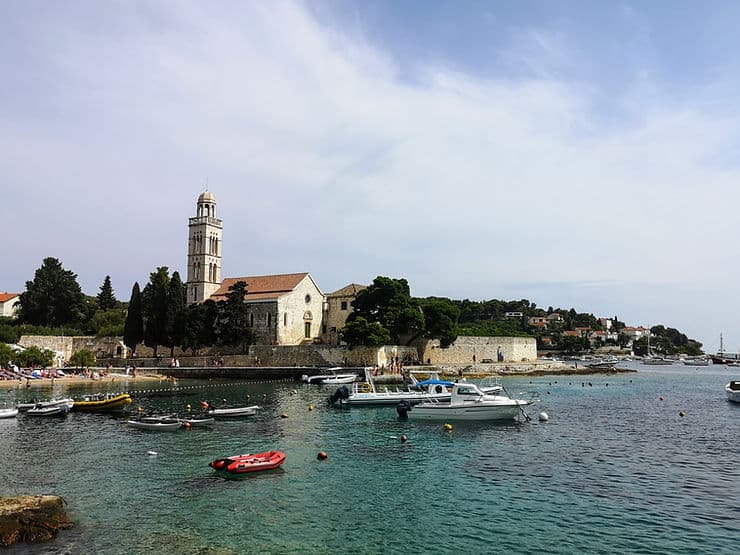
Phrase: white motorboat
(23, 407)
(233, 411)
(162, 423)
(9, 413)
(657, 361)
(733, 391)
(696, 362)
(198, 420)
(368, 394)
(51, 410)
(469, 402)
(334, 378)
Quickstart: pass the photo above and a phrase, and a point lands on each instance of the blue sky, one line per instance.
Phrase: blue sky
(573, 153)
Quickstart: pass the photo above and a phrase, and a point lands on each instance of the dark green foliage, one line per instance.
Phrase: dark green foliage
(232, 322)
(572, 344)
(106, 298)
(34, 356)
(440, 319)
(361, 332)
(6, 355)
(53, 298)
(108, 323)
(175, 328)
(154, 300)
(82, 358)
(9, 334)
(388, 302)
(198, 324)
(133, 329)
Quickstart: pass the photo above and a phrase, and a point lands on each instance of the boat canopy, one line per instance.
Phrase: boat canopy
(433, 382)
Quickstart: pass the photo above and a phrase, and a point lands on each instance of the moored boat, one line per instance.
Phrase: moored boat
(9, 412)
(242, 464)
(733, 391)
(102, 402)
(53, 410)
(232, 412)
(161, 423)
(723, 357)
(25, 407)
(198, 420)
(468, 402)
(335, 377)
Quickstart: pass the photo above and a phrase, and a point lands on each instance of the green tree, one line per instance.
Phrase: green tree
(53, 298)
(388, 301)
(133, 329)
(232, 324)
(440, 319)
(198, 325)
(154, 301)
(9, 334)
(82, 358)
(35, 356)
(108, 323)
(6, 355)
(106, 297)
(175, 327)
(359, 331)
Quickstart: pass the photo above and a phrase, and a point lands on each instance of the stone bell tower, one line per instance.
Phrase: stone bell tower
(204, 250)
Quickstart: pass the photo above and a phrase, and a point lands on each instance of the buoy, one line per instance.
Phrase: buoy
(660, 398)
(310, 407)
(189, 407)
(283, 415)
(404, 438)
(544, 417)
(448, 427)
(322, 456)
(139, 410)
(186, 425)
(151, 453)
(681, 414)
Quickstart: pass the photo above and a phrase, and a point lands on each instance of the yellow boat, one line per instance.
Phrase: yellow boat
(102, 402)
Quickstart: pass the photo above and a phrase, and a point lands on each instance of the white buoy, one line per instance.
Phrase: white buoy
(152, 453)
(544, 417)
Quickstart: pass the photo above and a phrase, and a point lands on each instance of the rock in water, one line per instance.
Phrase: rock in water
(31, 518)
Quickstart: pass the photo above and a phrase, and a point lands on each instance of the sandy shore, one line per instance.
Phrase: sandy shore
(72, 379)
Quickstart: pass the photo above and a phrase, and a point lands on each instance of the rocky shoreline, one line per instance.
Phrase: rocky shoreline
(31, 518)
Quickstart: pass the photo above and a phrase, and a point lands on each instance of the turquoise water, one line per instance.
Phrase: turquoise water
(615, 470)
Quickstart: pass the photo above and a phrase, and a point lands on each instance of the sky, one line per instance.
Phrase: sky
(576, 154)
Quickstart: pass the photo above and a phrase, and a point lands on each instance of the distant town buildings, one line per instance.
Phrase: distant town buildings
(9, 303)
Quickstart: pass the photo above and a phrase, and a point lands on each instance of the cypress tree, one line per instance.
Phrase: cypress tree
(133, 329)
(106, 297)
(175, 312)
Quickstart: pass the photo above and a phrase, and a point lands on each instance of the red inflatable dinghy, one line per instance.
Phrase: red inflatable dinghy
(240, 464)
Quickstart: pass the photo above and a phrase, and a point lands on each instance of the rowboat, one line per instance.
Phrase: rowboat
(24, 407)
(330, 379)
(233, 411)
(242, 464)
(9, 413)
(733, 391)
(161, 423)
(50, 410)
(102, 402)
(198, 421)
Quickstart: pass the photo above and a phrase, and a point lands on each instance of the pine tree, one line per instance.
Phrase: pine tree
(154, 306)
(133, 330)
(53, 298)
(175, 312)
(106, 297)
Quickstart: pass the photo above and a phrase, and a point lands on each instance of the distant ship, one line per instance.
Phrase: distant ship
(725, 358)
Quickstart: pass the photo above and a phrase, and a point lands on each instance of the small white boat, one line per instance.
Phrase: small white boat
(23, 407)
(468, 402)
(9, 413)
(330, 379)
(198, 420)
(53, 410)
(657, 361)
(154, 423)
(696, 362)
(233, 411)
(733, 391)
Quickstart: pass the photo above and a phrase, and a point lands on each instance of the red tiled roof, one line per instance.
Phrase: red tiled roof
(261, 287)
(348, 291)
(5, 297)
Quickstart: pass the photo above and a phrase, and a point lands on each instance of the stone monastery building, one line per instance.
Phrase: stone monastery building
(284, 309)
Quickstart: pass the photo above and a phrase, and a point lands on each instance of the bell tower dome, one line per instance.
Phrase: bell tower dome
(204, 250)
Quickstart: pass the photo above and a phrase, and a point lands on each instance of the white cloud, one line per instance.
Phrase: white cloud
(323, 158)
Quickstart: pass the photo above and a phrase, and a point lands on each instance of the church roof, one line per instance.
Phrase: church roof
(5, 297)
(261, 287)
(348, 290)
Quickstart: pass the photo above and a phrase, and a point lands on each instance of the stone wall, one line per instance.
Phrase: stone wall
(514, 349)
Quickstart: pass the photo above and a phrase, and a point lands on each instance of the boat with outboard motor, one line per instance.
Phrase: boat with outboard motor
(102, 402)
(468, 402)
(733, 391)
(243, 464)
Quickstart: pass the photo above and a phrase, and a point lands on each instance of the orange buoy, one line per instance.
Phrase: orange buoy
(322, 456)
(187, 425)
(310, 407)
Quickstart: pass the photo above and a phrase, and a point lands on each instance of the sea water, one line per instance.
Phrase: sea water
(614, 470)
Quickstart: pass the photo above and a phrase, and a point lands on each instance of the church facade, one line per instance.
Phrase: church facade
(284, 309)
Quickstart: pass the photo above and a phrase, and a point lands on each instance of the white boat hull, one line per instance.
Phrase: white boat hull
(236, 411)
(733, 391)
(474, 411)
(8, 413)
(161, 426)
(394, 397)
(198, 421)
(23, 407)
(57, 410)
